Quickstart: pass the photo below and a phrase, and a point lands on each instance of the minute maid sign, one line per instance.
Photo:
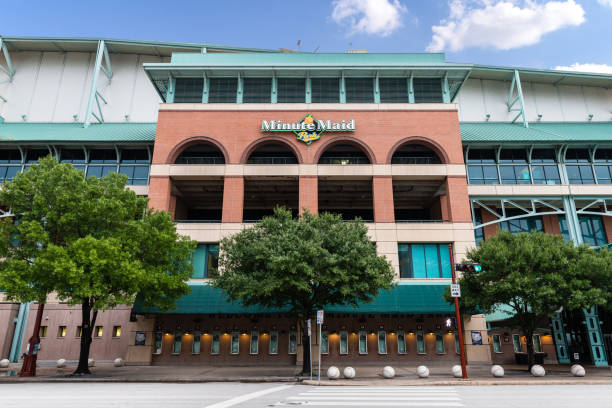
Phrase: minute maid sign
(308, 129)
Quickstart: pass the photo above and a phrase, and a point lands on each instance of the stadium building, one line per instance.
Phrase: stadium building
(427, 152)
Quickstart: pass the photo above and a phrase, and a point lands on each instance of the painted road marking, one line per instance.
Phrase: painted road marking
(242, 398)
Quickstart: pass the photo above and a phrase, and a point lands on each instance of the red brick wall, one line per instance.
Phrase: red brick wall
(489, 230)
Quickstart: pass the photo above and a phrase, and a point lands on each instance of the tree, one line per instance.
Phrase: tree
(90, 241)
(304, 263)
(536, 274)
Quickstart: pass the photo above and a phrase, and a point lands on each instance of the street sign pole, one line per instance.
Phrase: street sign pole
(458, 317)
(320, 314)
(310, 346)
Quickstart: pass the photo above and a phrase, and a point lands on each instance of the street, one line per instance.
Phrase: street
(225, 395)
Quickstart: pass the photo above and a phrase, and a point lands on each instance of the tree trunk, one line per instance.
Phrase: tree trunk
(87, 325)
(529, 344)
(305, 347)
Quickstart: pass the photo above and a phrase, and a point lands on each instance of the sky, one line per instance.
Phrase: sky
(548, 34)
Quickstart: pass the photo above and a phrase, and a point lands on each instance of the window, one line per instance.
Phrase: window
(393, 90)
(195, 346)
(440, 344)
(424, 261)
(74, 156)
(33, 155)
(382, 342)
(205, 260)
(273, 342)
(581, 173)
(98, 331)
(591, 229)
(176, 345)
(544, 169)
(79, 331)
(427, 90)
(10, 164)
(363, 342)
(359, 90)
(481, 166)
(514, 174)
(235, 343)
(537, 343)
(61, 331)
(116, 331)
(188, 90)
(254, 349)
(222, 90)
(157, 347)
(401, 342)
(101, 162)
(135, 165)
(516, 342)
(257, 90)
(325, 90)
(478, 232)
(42, 331)
(214, 345)
(522, 224)
(291, 90)
(603, 171)
(292, 342)
(420, 342)
(497, 344)
(343, 342)
(324, 342)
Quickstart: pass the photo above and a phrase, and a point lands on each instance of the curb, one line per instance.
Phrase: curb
(418, 383)
(18, 380)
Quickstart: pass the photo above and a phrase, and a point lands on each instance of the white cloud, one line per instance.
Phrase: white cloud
(578, 67)
(377, 17)
(605, 2)
(502, 24)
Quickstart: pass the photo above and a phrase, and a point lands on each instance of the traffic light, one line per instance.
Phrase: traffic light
(468, 267)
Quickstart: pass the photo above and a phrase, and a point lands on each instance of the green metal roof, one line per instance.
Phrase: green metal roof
(407, 297)
(75, 132)
(553, 132)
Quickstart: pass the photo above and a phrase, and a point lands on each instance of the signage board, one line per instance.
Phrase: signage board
(308, 129)
(455, 290)
(320, 316)
(309, 328)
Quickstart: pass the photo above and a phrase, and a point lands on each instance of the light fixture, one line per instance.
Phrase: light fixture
(590, 116)
(487, 117)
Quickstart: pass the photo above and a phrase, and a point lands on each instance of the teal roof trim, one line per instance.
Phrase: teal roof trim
(407, 297)
(553, 132)
(75, 132)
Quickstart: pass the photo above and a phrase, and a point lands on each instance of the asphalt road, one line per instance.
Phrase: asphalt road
(225, 395)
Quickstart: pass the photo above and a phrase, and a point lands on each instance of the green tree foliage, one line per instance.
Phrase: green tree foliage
(90, 241)
(536, 274)
(306, 264)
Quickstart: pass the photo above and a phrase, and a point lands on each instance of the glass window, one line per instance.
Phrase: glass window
(537, 343)
(188, 90)
(33, 155)
(513, 156)
(61, 332)
(10, 164)
(195, 347)
(98, 331)
(592, 229)
(577, 156)
(157, 347)
(359, 90)
(254, 349)
(457, 345)
(382, 342)
(545, 174)
(79, 331)
(292, 342)
(514, 174)
(543, 156)
(205, 260)
(603, 174)
(273, 342)
(363, 342)
(235, 343)
(222, 90)
(603, 156)
(257, 90)
(393, 90)
(424, 261)
(496, 343)
(516, 342)
(72, 156)
(440, 344)
(135, 165)
(522, 224)
(291, 90)
(214, 345)
(478, 232)
(12, 156)
(325, 90)
(116, 331)
(482, 156)
(343, 342)
(101, 162)
(580, 174)
(483, 174)
(176, 344)
(324, 342)
(427, 90)
(401, 342)
(420, 338)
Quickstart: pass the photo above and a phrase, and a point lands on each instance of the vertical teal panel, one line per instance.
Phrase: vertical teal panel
(376, 90)
(419, 269)
(342, 90)
(445, 262)
(199, 262)
(431, 261)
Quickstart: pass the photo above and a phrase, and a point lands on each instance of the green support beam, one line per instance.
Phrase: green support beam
(94, 93)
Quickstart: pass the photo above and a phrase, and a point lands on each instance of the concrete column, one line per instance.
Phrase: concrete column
(160, 193)
(309, 194)
(233, 199)
(141, 355)
(476, 353)
(457, 200)
(382, 191)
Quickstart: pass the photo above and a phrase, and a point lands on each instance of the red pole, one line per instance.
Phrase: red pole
(458, 319)
(28, 369)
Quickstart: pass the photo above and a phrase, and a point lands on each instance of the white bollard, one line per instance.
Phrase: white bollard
(497, 371)
(388, 372)
(577, 370)
(333, 373)
(456, 371)
(91, 362)
(538, 371)
(422, 371)
(118, 362)
(61, 363)
(349, 372)
(4, 363)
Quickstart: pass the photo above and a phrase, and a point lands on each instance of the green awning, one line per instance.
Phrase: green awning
(553, 132)
(75, 132)
(407, 297)
(502, 312)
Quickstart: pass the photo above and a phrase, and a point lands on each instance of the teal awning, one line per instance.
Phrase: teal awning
(407, 297)
(502, 312)
(553, 132)
(75, 132)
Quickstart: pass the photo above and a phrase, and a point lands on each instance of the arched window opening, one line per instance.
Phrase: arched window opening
(272, 153)
(344, 154)
(349, 198)
(415, 154)
(203, 153)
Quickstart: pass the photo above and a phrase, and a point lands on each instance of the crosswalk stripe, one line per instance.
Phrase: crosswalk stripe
(376, 398)
(421, 404)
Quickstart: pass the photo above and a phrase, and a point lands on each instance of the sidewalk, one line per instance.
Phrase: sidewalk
(366, 375)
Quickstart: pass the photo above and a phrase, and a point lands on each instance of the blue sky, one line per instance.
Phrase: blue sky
(528, 33)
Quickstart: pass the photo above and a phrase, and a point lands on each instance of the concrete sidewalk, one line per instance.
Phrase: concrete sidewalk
(366, 375)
